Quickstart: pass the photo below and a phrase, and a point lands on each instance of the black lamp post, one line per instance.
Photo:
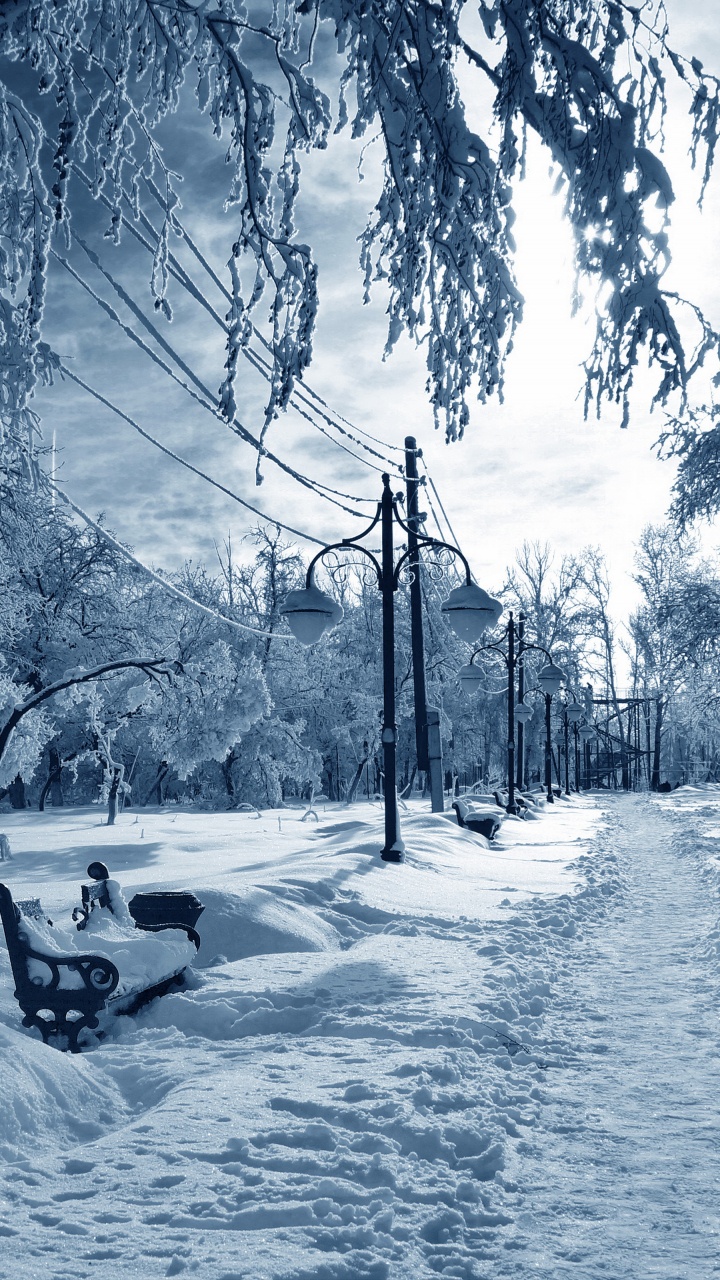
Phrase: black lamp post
(309, 613)
(511, 657)
(520, 748)
(586, 733)
(565, 734)
(561, 746)
(549, 680)
(573, 712)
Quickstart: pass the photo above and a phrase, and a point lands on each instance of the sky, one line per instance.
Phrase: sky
(530, 469)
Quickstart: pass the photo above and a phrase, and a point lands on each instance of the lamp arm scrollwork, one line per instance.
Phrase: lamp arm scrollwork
(423, 540)
(540, 648)
(435, 545)
(346, 545)
(485, 648)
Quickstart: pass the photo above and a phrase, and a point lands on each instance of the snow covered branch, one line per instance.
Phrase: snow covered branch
(589, 78)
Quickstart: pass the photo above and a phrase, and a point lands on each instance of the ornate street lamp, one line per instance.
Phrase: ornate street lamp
(470, 610)
(470, 678)
(310, 613)
(572, 712)
(549, 680)
(586, 733)
(523, 713)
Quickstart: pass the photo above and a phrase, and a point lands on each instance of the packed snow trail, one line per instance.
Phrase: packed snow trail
(489, 1063)
(623, 1175)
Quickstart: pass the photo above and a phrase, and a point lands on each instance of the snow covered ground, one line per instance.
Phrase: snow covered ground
(491, 1061)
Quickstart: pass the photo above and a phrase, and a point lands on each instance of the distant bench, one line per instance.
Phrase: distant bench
(483, 819)
(61, 988)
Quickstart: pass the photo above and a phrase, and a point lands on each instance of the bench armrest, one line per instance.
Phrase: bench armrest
(192, 934)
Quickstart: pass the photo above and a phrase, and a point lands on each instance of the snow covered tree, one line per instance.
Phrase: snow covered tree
(200, 716)
(676, 632)
(85, 87)
(22, 751)
(66, 622)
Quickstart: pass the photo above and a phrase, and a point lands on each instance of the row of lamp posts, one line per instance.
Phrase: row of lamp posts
(469, 610)
(572, 712)
(512, 647)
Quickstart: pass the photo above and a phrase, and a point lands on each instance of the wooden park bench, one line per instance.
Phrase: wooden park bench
(62, 987)
(484, 819)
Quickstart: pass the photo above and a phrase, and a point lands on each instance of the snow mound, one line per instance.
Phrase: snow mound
(254, 922)
(51, 1096)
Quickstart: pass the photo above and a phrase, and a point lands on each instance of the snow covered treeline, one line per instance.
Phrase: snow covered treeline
(111, 686)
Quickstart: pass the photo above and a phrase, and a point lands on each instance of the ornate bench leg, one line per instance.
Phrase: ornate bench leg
(61, 1026)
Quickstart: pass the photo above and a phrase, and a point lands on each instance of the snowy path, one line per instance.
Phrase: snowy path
(491, 1063)
(623, 1179)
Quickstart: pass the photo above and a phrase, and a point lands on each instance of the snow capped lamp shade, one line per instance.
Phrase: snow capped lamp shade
(470, 611)
(469, 677)
(586, 732)
(550, 678)
(523, 712)
(309, 613)
(574, 711)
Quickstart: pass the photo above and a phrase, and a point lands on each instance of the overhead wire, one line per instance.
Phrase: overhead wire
(169, 587)
(170, 214)
(450, 530)
(338, 417)
(205, 400)
(303, 394)
(208, 403)
(176, 457)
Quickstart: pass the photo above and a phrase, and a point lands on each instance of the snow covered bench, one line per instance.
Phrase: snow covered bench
(65, 977)
(484, 819)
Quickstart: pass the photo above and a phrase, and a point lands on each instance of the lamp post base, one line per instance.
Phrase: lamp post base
(393, 855)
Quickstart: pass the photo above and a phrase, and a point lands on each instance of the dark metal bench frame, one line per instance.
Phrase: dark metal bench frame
(484, 824)
(100, 979)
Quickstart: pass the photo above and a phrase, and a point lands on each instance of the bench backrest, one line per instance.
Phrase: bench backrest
(98, 974)
(11, 918)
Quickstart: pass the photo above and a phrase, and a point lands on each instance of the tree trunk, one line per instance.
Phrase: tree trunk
(226, 767)
(113, 793)
(655, 779)
(407, 789)
(53, 785)
(328, 765)
(356, 779)
(44, 794)
(7, 729)
(56, 792)
(156, 788)
(16, 792)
